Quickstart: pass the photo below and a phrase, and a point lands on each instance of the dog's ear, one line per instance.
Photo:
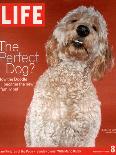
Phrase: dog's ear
(102, 64)
(52, 52)
(109, 59)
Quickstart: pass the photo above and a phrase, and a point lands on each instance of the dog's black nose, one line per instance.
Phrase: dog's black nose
(82, 30)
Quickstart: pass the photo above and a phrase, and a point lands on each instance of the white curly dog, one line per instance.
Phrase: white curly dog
(65, 110)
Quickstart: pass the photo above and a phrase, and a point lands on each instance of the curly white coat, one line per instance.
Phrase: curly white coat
(65, 109)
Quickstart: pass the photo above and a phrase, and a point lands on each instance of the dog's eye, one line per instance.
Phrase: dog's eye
(94, 27)
(73, 21)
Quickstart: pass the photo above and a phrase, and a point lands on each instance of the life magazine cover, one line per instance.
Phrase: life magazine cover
(57, 77)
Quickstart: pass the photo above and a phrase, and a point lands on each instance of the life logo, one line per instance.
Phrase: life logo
(22, 14)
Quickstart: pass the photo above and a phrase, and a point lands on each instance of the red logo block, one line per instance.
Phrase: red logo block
(22, 14)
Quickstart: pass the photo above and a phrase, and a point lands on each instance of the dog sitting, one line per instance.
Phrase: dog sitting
(65, 110)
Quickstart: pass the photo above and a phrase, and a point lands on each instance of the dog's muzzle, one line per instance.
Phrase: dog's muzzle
(82, 31)
(78, 43)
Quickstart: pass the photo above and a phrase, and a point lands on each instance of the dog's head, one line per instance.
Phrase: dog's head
(81, 36)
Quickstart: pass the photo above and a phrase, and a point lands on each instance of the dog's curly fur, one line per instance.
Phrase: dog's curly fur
(65, 110)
